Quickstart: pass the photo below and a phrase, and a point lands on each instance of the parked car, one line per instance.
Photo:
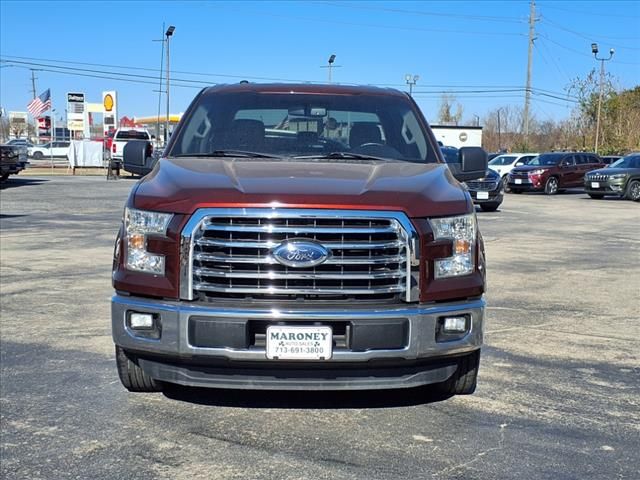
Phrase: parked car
(47, 150)
(504, 163)
(488, 192)
(621, 178)
(124, 135)
(609, 159)
(265, 251)
(552, 172)
(13, 159)
(20, 142)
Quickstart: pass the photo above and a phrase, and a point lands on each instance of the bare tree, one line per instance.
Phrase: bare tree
(445, 114)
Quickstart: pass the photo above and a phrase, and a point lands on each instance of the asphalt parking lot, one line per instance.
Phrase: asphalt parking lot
(558, 395)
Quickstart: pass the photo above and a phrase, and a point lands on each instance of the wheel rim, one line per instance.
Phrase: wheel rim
(635, 191)
(552, 185)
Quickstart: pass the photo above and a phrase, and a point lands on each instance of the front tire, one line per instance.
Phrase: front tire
(633, 191)
(596, 196)
(465, 378)
(505, 183)
(37, 155)
(133, 378)
(551, 187)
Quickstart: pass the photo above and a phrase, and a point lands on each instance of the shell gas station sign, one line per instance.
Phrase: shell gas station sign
(109, 108)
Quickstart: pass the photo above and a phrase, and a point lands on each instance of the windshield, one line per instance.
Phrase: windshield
(545, 159)
(630, 161)
(303, 125)
(503, 160)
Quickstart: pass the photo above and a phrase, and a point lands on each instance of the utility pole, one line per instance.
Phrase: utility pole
(527, 97)
(499, 140)
(594, 50)
(160, 88)
(33, 82)
(169, 34)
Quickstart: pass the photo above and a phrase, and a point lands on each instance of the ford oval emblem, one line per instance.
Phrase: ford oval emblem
(300, 253)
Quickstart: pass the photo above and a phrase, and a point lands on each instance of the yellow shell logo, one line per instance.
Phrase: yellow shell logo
(108, 102)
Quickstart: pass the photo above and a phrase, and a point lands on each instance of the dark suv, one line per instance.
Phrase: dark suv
(621, 178)
(552, 172)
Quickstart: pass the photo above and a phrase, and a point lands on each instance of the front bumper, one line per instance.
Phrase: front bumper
(526, 184)
(420, 360)
(605, 187)
(494, 196)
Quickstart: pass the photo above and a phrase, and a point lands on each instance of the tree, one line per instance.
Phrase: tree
(445, 115)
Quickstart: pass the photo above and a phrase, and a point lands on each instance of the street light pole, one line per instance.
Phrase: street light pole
(594, 50)
(411, 81)
(499, 139)
(169, 34)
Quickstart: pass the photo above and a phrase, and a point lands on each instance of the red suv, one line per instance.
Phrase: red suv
(552, 172)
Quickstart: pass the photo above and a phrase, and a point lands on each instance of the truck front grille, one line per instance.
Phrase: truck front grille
(230, 256)
(479, 185)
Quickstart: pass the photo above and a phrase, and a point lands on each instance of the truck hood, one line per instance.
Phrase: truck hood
(182, 185)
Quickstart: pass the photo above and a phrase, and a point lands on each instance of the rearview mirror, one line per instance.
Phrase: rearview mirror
(471, 164)
(307, 111)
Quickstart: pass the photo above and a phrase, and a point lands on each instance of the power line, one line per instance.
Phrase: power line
(391, 27)
(578, 52)
(582, 12)
(429, 14)
(450, 88)
(591, 37)
(128, 67)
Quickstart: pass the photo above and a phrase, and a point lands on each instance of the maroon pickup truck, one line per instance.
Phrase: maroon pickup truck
(301, 237)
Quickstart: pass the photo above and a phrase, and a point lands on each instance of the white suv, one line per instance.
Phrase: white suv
(503, 164)
(124, 135)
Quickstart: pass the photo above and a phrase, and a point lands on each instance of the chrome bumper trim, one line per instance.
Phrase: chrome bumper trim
(174, 317)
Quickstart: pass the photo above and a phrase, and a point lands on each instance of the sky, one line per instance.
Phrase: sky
(475, 50)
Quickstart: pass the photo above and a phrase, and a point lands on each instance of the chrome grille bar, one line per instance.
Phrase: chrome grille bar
(268, 228)
(212, 272)
(228, 251)
(271, 244)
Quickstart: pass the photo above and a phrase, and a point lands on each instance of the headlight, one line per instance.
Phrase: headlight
(462, 231)
(139, 224)
(618, 176)
(539, 171)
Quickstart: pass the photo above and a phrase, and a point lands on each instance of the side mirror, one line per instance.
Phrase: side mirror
(137, 157)
(519, 164)
(471, 164)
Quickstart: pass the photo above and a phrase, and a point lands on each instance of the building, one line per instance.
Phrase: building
(458, 135)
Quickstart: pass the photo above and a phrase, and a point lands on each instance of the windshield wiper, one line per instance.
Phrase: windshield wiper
(227, 153)
(346, 155)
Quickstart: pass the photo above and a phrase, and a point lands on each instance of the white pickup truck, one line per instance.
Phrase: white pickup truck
(124, 135)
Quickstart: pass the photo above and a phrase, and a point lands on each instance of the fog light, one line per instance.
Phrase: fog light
(454, 325)
(141, 321)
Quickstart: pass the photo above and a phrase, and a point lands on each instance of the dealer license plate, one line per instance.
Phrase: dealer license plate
(294, 342)
(483, 195)
(595, 184)
(518, 181)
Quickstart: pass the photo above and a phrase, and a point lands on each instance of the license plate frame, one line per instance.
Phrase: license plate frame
(299, 342)
(482, 195)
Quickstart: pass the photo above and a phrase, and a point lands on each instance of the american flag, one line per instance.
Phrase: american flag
(40, 104)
